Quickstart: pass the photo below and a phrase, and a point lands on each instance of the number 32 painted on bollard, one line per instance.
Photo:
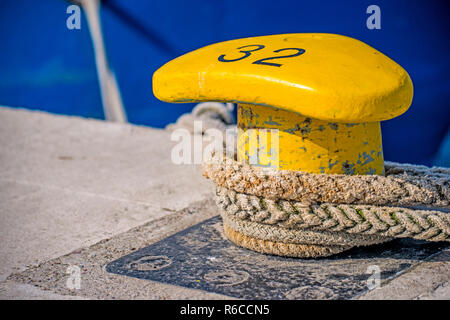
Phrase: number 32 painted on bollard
(247, 53)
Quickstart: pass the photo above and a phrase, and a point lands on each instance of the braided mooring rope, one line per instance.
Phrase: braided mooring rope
(403, 185)
(297, 236)
(281, 248)
(306, 215)
(281, 215)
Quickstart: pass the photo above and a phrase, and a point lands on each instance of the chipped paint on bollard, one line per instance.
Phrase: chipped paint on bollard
(305, 144)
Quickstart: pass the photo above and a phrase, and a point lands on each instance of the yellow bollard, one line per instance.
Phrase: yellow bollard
(307, 102)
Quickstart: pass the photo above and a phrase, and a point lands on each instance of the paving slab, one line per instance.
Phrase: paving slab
(97, 283)
(427, 280)
(10, 290)
(68, 182)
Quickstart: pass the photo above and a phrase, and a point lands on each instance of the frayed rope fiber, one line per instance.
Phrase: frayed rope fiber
(402, 185)
(306, 215)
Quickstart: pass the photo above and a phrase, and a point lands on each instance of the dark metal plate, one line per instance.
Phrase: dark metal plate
(200, 257)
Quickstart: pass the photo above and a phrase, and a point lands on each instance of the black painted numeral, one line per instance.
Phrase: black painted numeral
(246, 53)
(261, 61)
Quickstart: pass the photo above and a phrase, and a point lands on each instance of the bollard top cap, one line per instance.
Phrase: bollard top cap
(323, 76)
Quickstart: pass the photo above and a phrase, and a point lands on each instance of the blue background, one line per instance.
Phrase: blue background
(45, 66)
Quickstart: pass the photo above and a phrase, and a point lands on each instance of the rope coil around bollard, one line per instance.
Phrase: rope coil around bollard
(299, 214)
(402, 184)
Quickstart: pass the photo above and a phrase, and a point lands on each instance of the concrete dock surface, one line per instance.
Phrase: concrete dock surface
(84, 193)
